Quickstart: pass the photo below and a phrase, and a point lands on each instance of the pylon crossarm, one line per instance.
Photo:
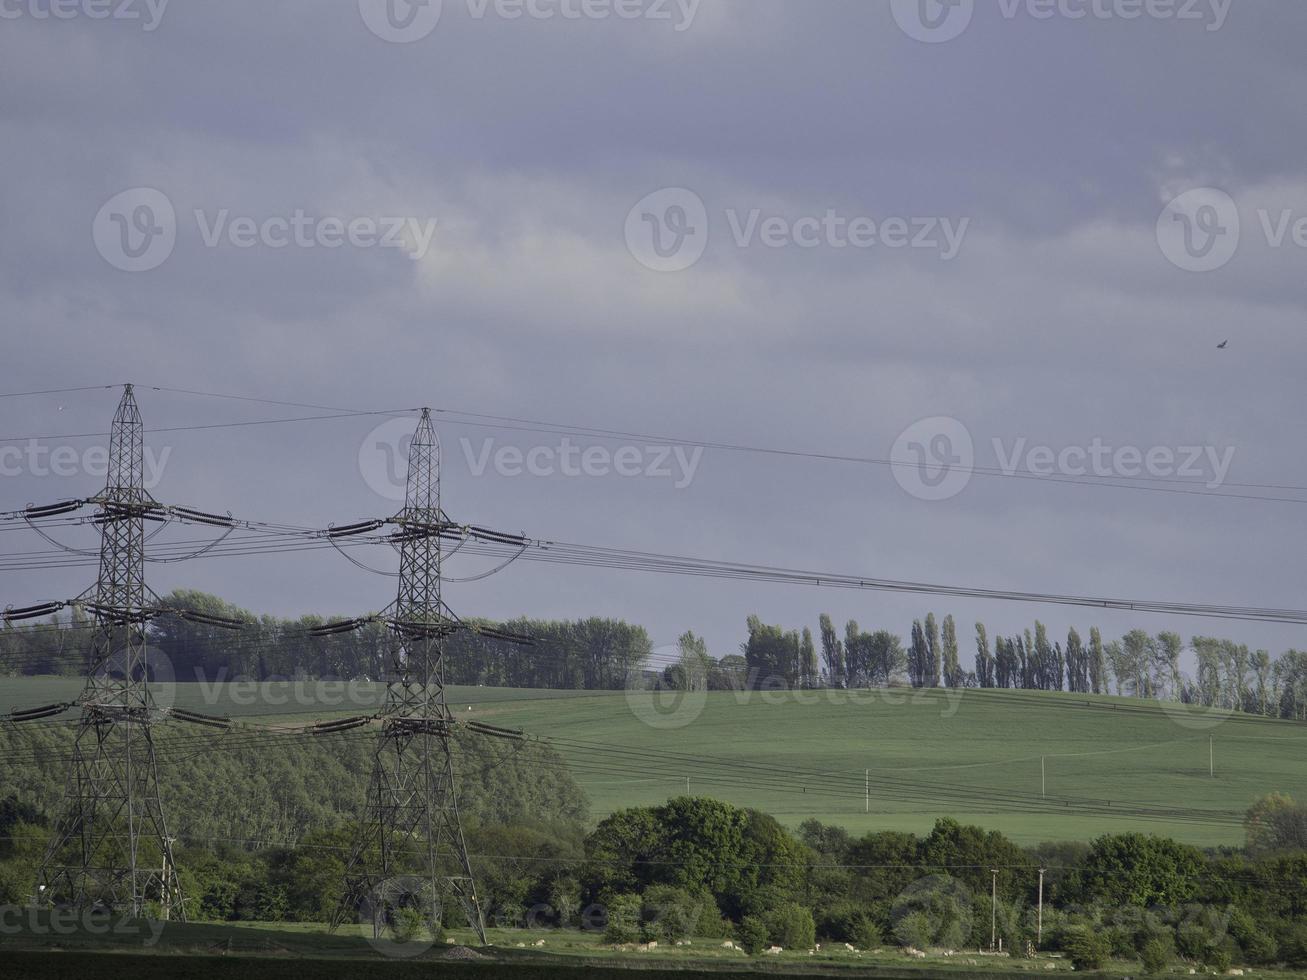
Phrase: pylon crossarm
(35, 512)
(18, 716)
(14, 614)
(342, 626)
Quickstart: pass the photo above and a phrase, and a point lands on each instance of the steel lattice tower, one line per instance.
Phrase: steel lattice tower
(411, 816)
(111, 847)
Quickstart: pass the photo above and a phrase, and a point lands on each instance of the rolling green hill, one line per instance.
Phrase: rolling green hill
(1109, 764)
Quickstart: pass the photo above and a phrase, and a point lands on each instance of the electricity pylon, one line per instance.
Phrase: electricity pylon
(111, 847)
(411, 819)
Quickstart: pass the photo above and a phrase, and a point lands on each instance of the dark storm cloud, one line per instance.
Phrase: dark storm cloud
(528, 141)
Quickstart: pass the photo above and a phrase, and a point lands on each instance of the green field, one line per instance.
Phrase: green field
(251, 951)
(973, 755)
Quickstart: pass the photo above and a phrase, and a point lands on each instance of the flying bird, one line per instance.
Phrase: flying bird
(1222, 345)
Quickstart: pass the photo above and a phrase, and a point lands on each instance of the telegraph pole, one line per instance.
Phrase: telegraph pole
(1039, 921)
(111, 846)
(867, 779)
(993, 910)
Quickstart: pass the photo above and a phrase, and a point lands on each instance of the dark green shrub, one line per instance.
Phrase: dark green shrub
(712, 925)
(1120, 942)
(408, 925)
(1087, 950)
(837, 920)
(669, 913)
(933, 911)
(1156, 956)
(1195, 941)
(1260, 947)
(791, 926)
(915, 929)
(1293, 945)
(12, 886)
(864, 934)
(623, 919)
(753, 935)
(1219, 958)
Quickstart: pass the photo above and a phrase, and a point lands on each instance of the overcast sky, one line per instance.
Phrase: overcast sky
(971, 228)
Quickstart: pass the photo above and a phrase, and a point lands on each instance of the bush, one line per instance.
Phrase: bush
(864, 934)
(1156, 955)
(1087, 950)
(1059, 930)
(934, 911)
(837, 920)
(623, 919)
(848, 922)
(712, 925)
(1196, 941)
(1120, 942)
(753, 935)
(1219, 958)
(669, 914)
(408, 925)
(915, 929)
(1293, 947)
(1260, 947)
(791, 926)
(12, 891)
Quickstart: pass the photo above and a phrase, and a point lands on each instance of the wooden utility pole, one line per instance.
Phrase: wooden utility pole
(1039, 918)
(993, 910)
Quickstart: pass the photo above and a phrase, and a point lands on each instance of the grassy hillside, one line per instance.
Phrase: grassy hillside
(974, 755)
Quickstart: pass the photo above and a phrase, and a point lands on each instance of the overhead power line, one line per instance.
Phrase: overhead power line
(1156, 484)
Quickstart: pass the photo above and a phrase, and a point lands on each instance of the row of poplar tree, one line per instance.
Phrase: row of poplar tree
(1140, 664)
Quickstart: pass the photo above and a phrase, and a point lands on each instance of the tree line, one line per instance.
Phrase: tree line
(1139, 664)
(703, 868)
(609, 654)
